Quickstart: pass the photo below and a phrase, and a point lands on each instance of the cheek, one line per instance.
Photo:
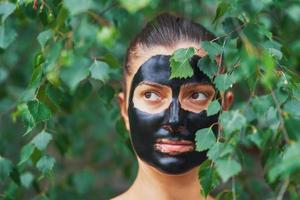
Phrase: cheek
(142, 121)
(151, 107)
(194, 107)
(196, 121)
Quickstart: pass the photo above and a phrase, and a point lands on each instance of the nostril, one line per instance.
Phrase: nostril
(168, 128)
(173, 129)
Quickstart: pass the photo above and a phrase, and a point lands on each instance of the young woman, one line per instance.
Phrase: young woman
(163, 113)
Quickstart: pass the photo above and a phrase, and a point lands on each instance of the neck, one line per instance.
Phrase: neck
(152, 184)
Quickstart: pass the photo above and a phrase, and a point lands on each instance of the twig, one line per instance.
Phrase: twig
(233, 189)
(221, 58)
(283, 189)
(285, 134)
(228, 34)
(46, 4)
(99, 19)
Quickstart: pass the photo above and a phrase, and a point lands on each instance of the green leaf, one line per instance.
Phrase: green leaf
(111, 60)
(232, 121)
(272, 44)
(294, 12)
(107, 36)
(208, 178)
(292, 107)
(100, 71)
(83, 181)
(133, 6)
(281, 95)
(77, 6)
(6, 9)
(106, 94)
(268, 66)
(45, 164)
(221, 10)
(275, 53)
(22, 2)
(232, 26)
(208, 66)
(39, 111)
(26, 153)
(41, 140)
(43, 37)
(15, 176)
(33, 113)
(227, 168)
(3, 74)
(212, 48)
(55, 95)
(36, 78)
(86, 32)
(270, 119)
(5, 168)
(27, 179)
(121, 129)
(247, 68)
(7, 36)
(72, 75)
(213, 108)
(224, 81)
(256, 139)
(288, 164)
(293, 126)
(296, 92)
(26, 117)
(261, 104)
(180, 70)
(219, 150)
(179, 63)
(205, 139)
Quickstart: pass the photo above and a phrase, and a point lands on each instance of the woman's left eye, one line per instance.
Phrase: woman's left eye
(198, 96)
(152, 96)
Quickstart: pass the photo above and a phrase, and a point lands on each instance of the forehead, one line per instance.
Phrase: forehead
(157, 69)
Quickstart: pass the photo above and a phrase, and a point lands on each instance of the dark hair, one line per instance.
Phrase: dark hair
(165, 30)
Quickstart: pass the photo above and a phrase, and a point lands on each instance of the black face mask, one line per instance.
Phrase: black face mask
(146, 128)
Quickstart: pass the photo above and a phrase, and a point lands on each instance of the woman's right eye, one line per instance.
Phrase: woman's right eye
(152, 96)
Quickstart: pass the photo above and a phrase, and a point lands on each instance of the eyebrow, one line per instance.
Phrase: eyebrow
(196, 84)
(157, 85)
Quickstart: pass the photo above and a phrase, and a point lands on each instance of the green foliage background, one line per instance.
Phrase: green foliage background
(61, 136)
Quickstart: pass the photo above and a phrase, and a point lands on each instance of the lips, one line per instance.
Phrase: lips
(174, 147)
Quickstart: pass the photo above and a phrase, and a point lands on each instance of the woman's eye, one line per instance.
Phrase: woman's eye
(151, 96)
(198, 96)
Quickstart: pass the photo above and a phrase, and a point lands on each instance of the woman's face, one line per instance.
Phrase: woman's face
(164, 114)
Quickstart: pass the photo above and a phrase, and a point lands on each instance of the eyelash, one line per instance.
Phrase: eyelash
(152, 92)
(203, 93)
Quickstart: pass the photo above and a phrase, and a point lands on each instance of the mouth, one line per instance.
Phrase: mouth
(172, 147)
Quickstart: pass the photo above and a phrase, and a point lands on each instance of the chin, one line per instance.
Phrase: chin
(175, 165)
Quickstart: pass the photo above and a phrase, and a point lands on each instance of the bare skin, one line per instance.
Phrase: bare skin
(151, 183)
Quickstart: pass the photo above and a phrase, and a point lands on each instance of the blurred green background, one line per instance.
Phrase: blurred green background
(60, 70)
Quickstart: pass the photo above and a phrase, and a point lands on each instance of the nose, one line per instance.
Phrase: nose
(172, 119)
(174, 112)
